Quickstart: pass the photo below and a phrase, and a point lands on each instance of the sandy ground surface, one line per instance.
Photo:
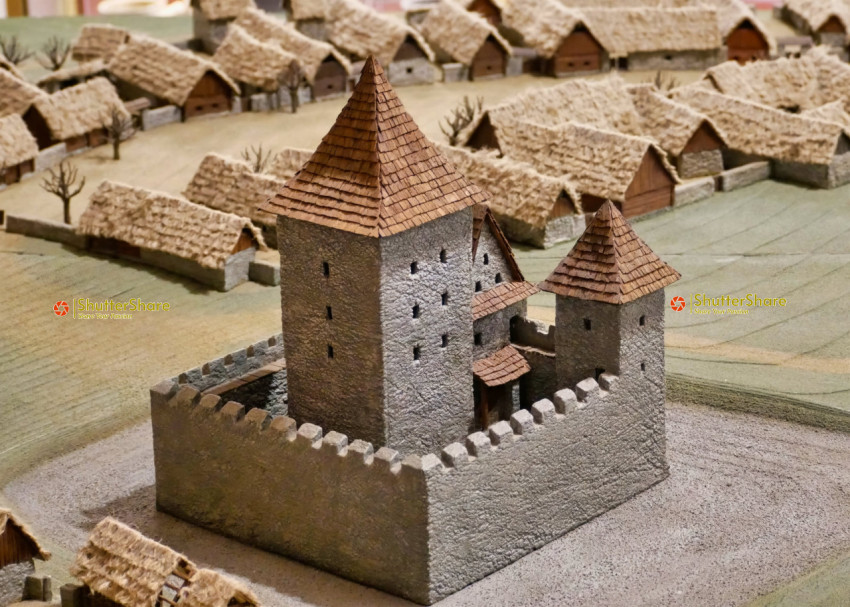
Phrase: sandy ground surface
(749, 504)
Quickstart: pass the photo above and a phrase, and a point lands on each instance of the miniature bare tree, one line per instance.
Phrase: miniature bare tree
(119, 129)
(55, 53)
(13, 50)
(61, 182)
(460, 118)
(257, 158)
(291, 79)
(664, 84)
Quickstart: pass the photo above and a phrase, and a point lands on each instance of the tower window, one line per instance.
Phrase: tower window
(642, 320)
(326, 268)
(416, 311)
(498, 278)
(477, 286)
(486, 259)
(329, 312)
(330, 351)
(587, 324)
(445, 298)
(478, 339)
(417, 352)
(599, 371)
(444, 340)
(643, 366)
(443, 256)
(414, 267)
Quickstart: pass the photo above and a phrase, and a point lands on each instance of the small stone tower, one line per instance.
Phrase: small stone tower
(374, 235)
(609, 315)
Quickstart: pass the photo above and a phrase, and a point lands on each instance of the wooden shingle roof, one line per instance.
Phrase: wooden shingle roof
(375, 173)
(500, 297)
(609, 263)
(498, 369)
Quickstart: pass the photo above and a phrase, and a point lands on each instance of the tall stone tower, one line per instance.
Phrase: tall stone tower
(609, 315)
(375, 237)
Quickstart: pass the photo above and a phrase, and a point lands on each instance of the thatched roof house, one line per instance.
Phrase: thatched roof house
(762, 131)
(543, 24)
(98, 41)
(305, 10)
(157, 221)
(827, 20)
(362, 31)
(74, 112)
(287, 162)
(8, 66)
(170, 75)
(17, 147)
(16, 95)
(249, 61)
(321, 63)
(463, 36)
(221, 10)
(131, 570)
(531, 207)
(18, 549)
(742, 31)
(71, 75)
(829, 112)
(631, 171)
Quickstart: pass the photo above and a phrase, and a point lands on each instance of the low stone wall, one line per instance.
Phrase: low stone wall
(264, 273)
(156, 117)
(748, 174)
(12, 579)
(693, 191)
(50, 157)
(45, 229)
(822, 176)
(680, 60)
(563, 228)
(700, 164)
(514, 66)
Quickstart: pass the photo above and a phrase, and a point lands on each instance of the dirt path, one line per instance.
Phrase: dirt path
(750, 504)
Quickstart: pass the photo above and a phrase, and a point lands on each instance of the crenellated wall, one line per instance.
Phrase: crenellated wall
(421, 527)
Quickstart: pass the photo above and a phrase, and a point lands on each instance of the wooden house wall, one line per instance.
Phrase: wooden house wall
(211, 95)
(651, 189)
(16, 547)
(490, 60)
(579, 52)
(745, 43)
(330, 79)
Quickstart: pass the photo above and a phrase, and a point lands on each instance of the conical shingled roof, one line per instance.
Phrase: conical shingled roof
(609, 263)
(375, 173)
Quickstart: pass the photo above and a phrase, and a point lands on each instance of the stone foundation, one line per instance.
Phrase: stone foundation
(678, 60)
(693, 191)
(160, 116)
(745, 175)
(45, 229)
(12, 579)
(455, 72)
(700, 164)
(50, 157)
(817, 175)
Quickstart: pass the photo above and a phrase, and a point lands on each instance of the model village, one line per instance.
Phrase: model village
(466, 366)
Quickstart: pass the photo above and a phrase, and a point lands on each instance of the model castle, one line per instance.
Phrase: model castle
(421, 433)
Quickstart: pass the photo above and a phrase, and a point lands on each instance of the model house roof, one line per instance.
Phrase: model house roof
(80, 109)
(231, 186)
(309, 52)
(817, 12)
(132, 570)
(731, 14)
(17, 144)
(609, 263)
(288, 162)
(759, 130)
(161, 69)
(375, 173)
(623, 31)
(8, 66)
(98, 41)
(246, 59)
(502, 367)
(518, 191)
(8, 521)
(543, 24)
(217, 10)
(362, 31)
(830, 112)
(16, 95)
(599, 162)
(162, 222)
(459, 32)
(670, 123)
(308, 9)
(79, 71)
(500, 297)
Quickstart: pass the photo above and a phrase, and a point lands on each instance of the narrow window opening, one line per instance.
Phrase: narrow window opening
(330, 351)
(486, 259)
(599, 371)
(414, 267)
(587, 324)
(445, 340)
(326, 269)
(330, 313)
(478, 339)
(498, 278)
(417, 352)
(445, 298)
(443, 256)
(642, 321)
(477, 286)
(416, 311)
(643, 367)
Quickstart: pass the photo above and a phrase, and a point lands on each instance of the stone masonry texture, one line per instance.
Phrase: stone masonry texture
(12, 579)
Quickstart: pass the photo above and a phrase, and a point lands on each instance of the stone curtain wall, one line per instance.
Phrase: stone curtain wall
(419, 527)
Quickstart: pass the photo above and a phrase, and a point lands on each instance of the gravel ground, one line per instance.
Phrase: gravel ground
(750, 504)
